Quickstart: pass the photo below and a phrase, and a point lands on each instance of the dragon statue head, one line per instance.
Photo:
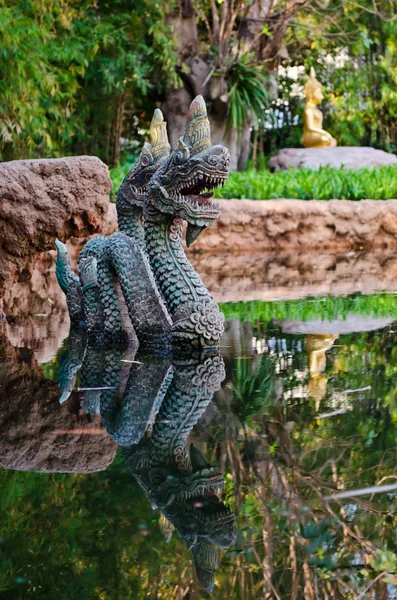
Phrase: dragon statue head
(133, 190)
(195, 511)
(182, 186)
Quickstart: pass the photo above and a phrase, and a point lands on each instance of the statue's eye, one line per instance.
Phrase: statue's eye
(145, 161)
(178, 158)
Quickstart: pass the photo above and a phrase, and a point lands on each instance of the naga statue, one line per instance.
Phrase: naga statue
(138, 283)
(149, 405)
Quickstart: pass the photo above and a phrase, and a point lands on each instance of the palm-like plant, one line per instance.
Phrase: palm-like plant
(247, 91)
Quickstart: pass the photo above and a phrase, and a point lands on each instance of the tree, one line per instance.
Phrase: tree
(70, 70)
(225, 50)
(352, 46)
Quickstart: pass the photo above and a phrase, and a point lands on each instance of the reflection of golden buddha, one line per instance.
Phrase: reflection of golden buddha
(314, 136)
(316, 345)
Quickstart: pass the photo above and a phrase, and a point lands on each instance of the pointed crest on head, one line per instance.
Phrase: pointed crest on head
(312, 84)
(197, 131)
(158, 136)
(166, 527)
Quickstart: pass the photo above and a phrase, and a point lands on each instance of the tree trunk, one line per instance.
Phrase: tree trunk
(197, 69)
(196, 79)
(116, 131)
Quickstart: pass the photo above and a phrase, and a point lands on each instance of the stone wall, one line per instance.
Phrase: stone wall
(292, 225)
(302, 225)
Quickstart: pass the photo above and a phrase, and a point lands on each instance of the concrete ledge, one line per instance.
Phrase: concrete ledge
(337, 225)
(298, 225)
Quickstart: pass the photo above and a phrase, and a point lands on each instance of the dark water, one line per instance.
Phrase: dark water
(103, 498)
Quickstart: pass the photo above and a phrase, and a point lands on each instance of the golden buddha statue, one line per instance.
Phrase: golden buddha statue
(314, 136)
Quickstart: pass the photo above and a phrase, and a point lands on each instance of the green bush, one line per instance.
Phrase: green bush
(117, 175)
(305, 184)
(324, 184)
(324, 308)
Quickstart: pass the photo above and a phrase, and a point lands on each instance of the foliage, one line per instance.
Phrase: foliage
(324, 184)
(320, 308)
(117, 175)
(42, 59)
(247, 94)
(353, 48)
(69, 68)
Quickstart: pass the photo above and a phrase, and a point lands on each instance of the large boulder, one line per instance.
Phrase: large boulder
(45, 199)
(349, 157)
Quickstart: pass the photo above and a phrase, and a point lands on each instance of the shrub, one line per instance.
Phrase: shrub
(320, 308)
(304, 184)
(325, 184)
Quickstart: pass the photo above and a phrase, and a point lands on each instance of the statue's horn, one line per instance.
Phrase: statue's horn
(158, 136)
(197, 131)
(166, 527)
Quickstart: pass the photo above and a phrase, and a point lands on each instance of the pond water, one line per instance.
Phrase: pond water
(289, 491)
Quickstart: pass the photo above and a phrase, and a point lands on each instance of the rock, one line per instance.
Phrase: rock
(345, 325)
(36, 433)
(44, 199)
(75, 245)
(350, 157)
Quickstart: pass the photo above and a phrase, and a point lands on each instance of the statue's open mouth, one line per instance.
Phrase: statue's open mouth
(210, 510)
(195, 194)
(198, 190)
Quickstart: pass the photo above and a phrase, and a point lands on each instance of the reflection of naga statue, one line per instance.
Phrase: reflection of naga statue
(143, 267)
(314, 136)
(150, 413)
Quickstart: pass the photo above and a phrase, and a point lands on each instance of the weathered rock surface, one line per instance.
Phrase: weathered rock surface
(298, 225)
(301, 225)
(269, 276)
(36, 433)
(350, 157)
(43, 199)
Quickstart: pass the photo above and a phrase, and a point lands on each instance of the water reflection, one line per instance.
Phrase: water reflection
(284, 452)
(149, 406)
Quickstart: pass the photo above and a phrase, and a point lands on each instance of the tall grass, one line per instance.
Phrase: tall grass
(322, 308)
(305, 184)
(325, 184)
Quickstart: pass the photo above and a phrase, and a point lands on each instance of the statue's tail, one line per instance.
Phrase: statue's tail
(69, 283)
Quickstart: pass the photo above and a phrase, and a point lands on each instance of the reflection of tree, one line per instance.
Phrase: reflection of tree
(292, 543)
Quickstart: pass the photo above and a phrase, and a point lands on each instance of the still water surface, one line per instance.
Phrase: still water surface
(104, 498)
